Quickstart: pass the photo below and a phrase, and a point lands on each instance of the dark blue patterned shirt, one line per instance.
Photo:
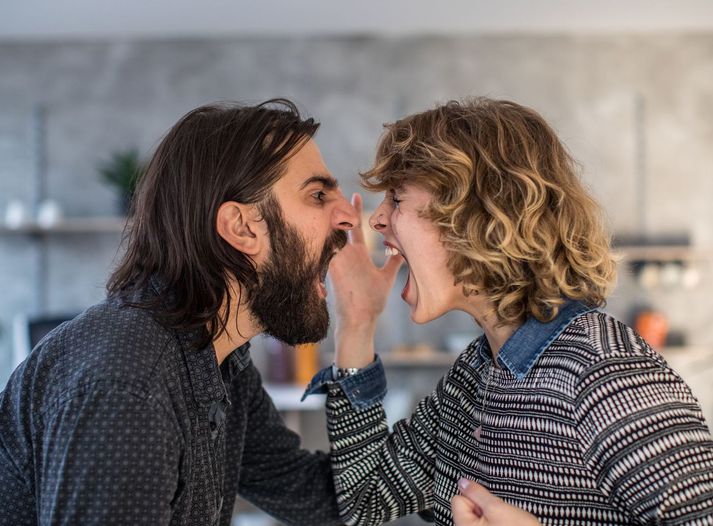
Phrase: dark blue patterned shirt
(112, 419)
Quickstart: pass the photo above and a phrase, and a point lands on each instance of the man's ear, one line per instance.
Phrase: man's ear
(239, 225)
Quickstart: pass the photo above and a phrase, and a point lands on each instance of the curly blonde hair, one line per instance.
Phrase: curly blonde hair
(521, 229)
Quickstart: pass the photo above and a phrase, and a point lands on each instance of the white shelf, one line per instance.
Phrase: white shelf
(664, 253)
(78, 225)
(287, 398)
(418, 359)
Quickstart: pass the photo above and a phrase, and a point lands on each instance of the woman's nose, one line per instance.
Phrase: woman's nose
(377, 221)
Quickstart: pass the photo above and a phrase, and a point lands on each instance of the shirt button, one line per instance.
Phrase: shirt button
(216, 417)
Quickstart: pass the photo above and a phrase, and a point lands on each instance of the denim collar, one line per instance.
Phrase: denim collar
(530, 340)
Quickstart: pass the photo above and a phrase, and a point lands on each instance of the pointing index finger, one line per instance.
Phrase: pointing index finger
(356, 234)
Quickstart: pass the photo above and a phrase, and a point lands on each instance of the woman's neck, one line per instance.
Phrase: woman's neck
(485, 316)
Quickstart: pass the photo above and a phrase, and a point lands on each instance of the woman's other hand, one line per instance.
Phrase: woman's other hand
(476, 506)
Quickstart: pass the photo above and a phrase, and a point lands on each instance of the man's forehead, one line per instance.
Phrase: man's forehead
(307, 167)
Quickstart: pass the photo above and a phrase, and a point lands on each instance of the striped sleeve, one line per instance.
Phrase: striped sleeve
(644, 438)
(380, 476)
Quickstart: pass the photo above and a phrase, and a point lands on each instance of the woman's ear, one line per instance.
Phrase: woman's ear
(238, 225)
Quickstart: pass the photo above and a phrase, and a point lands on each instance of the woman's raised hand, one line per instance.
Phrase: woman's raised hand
(360, 290)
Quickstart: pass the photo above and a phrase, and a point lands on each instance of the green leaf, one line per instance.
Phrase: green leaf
(122, 170)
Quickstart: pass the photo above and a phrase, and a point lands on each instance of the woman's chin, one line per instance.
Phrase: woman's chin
(419, 312)
(421, 316)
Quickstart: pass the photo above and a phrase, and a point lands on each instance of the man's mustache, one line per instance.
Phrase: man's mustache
(339, 239)
(335, 241)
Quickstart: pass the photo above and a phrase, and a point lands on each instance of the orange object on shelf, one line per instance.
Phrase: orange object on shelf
(306, 362)
(653, 327)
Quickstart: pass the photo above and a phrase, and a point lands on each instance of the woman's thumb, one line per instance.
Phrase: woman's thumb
(477, 494)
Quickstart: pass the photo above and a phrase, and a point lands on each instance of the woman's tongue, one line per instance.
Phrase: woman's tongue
(404, 292)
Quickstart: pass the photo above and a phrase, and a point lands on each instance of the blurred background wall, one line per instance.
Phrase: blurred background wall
(628, 87)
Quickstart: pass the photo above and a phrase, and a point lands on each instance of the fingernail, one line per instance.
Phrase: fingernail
(463, 484)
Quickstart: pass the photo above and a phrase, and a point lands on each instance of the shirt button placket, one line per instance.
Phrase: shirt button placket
(216, 417)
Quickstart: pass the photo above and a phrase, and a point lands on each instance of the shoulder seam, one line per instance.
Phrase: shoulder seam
(133, 389)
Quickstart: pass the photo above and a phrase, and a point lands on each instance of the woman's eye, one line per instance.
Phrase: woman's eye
(395, 200)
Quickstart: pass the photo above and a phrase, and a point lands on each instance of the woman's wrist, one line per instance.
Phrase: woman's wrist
(354, 345)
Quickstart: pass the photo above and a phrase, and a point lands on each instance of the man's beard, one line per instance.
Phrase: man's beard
(285, 300)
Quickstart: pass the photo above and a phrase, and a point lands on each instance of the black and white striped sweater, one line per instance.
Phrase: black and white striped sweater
(598, 431)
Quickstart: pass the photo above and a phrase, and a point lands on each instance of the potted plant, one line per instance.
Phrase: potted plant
(122, 170)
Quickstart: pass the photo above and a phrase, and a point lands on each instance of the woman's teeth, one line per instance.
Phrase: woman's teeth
(391, 251)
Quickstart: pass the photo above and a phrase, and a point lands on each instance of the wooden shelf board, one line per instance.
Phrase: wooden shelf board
(663, 253)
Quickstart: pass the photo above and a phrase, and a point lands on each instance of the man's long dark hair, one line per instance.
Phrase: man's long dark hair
(216, 153)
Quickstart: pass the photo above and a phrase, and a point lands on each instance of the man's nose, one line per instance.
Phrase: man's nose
(345, 216)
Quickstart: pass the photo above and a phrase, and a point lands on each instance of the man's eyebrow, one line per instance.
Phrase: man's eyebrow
(329, 182)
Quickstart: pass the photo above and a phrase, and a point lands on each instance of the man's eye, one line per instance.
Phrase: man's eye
(319, 196)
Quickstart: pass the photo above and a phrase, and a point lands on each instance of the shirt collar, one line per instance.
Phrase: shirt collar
(207, 380)
(205, 374)
(238, 360)
(530, 340)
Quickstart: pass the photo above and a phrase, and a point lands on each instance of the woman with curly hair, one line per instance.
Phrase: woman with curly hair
(559, 412)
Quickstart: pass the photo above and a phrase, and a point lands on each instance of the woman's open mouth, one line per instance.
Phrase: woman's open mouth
(393, 251)
(404, 292)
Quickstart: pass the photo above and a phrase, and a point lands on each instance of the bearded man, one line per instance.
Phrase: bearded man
(146, 408)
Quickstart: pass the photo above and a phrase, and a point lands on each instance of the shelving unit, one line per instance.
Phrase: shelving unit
(286, 397)
(666, 265)
(287, 400)
(664, 253)
(79, 225)
(66, 226)
(435, 359)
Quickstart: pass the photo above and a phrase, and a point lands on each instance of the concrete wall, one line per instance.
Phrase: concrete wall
(104, 96)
